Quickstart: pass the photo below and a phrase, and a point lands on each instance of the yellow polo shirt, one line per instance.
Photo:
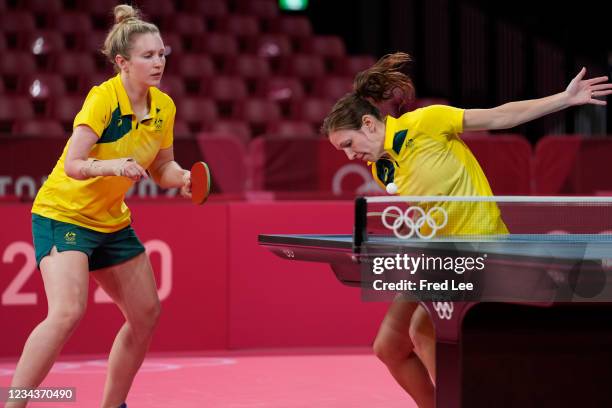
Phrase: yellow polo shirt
(98, 203)
(426, 157)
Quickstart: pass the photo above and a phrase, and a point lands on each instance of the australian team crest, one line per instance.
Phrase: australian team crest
(158, 123)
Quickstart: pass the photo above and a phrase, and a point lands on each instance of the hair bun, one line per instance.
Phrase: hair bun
(125, 12)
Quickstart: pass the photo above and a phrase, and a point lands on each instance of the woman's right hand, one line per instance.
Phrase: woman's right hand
(132, 170)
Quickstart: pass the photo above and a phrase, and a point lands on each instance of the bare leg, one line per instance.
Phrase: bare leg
(394, 347)
(66, 279)
(423, 337)
(132, 286)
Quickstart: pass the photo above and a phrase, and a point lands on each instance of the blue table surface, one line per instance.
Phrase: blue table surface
(561, 246)
(392, 240)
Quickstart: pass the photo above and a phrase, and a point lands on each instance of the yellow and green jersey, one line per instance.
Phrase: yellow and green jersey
(98, 203)
(426, 157)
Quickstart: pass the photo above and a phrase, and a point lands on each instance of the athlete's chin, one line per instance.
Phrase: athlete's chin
(154, 81)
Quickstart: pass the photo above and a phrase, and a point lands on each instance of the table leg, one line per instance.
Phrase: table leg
(448, 375)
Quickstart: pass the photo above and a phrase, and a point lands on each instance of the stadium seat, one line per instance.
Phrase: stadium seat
(333, 87)
(65, 109)
(16, 107)
(296, 27)
(280, 89)
(269, 45)
(312, 110)
(228, 88)
(17, 62)
(210, 10)
(94, 79)
(156, 10)
(14, 64)
(43, 42)
(248, 66)
(226, 91)
(39, 127)
(197, 112)
(17, 22)
(97, 8)
(75, 67)
(352, 65)
(173, 86)
(192, 68)
(237, 128)
(238, 25)
(303, 66)
(259, 8)
(38, 6)
(73, 22)
(181, 129)
(256, 110)
(290, 128)
(188, 26)
(43, 86)
(217, 44)
(309, 68)
(329, 46)
(174, 44)
(12, 109)
(92, 44)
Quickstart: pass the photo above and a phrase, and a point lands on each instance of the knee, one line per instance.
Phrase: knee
(66, 318)
(145, 321)
(421, 334)
(391, 351)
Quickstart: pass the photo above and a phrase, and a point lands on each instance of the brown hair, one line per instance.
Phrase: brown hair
(370, 87)
(119, 39)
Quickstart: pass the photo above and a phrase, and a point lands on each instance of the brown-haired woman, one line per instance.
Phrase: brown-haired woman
(421, 153)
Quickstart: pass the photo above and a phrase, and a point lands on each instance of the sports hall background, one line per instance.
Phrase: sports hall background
(252, 84)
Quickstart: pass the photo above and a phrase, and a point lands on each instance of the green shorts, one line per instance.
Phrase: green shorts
(102, 249)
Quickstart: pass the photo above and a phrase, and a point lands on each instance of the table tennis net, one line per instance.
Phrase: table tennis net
(438, 217)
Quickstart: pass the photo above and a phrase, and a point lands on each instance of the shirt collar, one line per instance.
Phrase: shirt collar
(392, 138)
(390, 124)
(124, 101)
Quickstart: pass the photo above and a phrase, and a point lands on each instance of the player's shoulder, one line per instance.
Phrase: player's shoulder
(105, 88)
(434, 110)
(101, 94)
(162, 99)
(432, 114)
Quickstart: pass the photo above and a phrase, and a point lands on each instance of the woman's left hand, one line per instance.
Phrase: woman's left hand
(186, 187)
(582, 91)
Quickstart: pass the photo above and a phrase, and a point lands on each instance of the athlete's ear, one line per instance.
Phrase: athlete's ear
(121, 61)
(367, 122)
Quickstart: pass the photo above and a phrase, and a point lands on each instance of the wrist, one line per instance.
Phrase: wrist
(97, 168)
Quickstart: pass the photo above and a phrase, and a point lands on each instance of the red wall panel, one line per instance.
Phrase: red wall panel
(277, 303)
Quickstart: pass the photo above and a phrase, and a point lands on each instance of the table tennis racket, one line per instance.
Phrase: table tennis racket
(200, 182)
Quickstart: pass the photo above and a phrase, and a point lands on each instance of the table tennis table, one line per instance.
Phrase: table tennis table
(567, 268)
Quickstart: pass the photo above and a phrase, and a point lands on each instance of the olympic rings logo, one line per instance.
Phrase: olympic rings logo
(444, 309)
(413, 219)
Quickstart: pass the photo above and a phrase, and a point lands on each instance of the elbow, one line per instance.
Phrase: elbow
(73, 170)
(156, 178)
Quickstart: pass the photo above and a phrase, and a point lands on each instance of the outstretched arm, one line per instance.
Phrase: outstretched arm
(579, 92)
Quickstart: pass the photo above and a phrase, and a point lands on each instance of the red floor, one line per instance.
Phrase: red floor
(267, 379)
